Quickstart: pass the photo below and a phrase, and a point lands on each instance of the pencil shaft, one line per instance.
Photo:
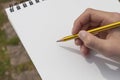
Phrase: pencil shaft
(70, 37)
(106, 27)
(95, 30)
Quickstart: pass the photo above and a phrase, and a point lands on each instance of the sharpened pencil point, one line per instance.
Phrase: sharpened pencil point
(59, 40)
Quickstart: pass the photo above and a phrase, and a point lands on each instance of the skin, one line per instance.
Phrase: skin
(107, 42)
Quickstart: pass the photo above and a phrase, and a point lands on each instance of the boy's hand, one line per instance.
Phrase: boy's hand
(107, 42)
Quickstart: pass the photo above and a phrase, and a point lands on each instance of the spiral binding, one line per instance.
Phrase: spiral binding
(18, 7)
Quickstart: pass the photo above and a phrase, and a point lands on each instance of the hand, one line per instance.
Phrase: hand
(107, 42)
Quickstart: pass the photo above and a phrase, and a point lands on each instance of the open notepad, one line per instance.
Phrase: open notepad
(39, 23)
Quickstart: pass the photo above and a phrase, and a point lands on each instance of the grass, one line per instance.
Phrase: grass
(13, 41)
(5, 66)
(28, 66)
(3, 18)
(4, 41)
(4, 58)
(4, 1)
(3, 38)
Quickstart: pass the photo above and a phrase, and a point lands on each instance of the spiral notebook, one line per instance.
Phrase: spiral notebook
(39, 23)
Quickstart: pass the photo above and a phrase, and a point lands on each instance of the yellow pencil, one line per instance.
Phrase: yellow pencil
(95, 30)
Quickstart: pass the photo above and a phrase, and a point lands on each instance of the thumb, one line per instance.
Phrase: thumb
(92, 41)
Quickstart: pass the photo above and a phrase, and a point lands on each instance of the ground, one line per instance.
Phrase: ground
(15, 63)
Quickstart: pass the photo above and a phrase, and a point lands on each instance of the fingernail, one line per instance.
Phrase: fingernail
(82, 34)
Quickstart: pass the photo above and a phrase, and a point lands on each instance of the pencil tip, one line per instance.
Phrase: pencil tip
(59, 40)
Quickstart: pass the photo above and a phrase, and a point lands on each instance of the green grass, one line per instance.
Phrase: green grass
(28, 66)
(5, 66)
(4, 1)
(13, 41)
(1, 7)
(3, 18)
(4, 62)
(3, 38)
(4, 41)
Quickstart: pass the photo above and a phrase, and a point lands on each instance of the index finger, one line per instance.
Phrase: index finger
(83, 19)
(90, 17)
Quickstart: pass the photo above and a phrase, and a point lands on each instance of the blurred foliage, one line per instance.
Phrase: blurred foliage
(4, 1)
(1, 7)
(4, 61)
(3, 38)
(3, 18)
(5, 66)
(13, 41)
(28, 66)
(4, 41)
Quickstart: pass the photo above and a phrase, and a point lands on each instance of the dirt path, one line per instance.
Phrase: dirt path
(21, 65)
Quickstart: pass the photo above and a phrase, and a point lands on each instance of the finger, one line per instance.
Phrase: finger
(84, 50)
(78, 42)
(80, 21)
(93, 42)
(92, 16)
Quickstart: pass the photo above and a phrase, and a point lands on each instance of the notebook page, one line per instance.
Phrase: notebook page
(40, 25)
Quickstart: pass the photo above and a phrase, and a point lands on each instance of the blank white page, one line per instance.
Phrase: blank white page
(41, 24)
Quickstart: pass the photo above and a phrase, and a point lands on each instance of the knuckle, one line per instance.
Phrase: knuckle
(88, 9)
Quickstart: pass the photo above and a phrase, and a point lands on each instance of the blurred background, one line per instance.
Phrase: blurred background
(15, 63)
